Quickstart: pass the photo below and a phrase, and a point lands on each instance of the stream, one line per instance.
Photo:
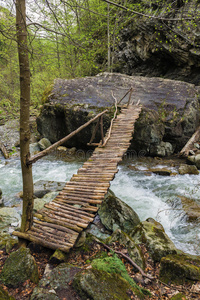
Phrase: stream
(150, 195)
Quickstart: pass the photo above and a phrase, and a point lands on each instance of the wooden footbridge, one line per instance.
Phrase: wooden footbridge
(59, 223)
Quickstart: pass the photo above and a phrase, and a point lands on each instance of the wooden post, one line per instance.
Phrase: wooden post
(102, 135)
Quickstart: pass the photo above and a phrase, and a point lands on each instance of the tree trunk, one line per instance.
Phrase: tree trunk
(27, 212)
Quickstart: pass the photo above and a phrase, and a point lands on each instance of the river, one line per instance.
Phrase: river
(150, 195)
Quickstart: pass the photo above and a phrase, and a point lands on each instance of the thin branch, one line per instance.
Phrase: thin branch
(127, 258)
(144, 15)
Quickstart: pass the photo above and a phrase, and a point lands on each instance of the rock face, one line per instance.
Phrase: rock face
(19, 267)
(115, 214)
(152, 47)
(169, 117)
(153, 235)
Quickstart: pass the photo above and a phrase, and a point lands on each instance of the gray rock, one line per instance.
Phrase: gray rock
(187, 169)
(162, 150)
(134, 252)
(44, 143)
(56, 283)
(40, 202)
(8, 215)
(34, 148)
(115, 214)
(195, 159)
(19, 267)
(155, 238)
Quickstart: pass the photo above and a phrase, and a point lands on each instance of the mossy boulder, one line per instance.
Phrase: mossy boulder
(4, 295)
(179, 268)
(19, 267)
(100, 285)
(56, 283)
(7, 242)
(133, 251)
(157, 241)
(188, 169)
(115, 214)
(191, 208)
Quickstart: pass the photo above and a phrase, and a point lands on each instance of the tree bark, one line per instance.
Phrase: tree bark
(27, 212)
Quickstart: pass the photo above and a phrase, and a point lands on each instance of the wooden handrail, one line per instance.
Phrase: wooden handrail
(60, 142)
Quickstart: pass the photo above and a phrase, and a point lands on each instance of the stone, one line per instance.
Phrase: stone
(62, 148)
(115, 214)
(100, 285)
(179, 296)
(156, 240)
(179, 268)
(188, 169)
(54, 285)
(81, 240)
(163, 149)
(195, 159)
(34, 148)
(7, 241)
(191, 208)
(161, 171)
(40, 202)
(19, 267)
(58, 257)
(134, 252)
(44, 143)
(8, 215)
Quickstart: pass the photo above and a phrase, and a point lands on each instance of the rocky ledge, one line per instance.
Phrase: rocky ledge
(169, 117)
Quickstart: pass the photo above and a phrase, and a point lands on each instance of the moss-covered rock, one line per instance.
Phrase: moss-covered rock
(99, 285)
(7, 242)
(179, 268)
(157, 241)
(55, 283)
(133, 250)
(115, 214)
(58, 257)
(4, 295)
(19, 267)
(191, 208)
(179, 296)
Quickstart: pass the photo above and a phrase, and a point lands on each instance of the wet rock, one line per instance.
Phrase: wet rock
(179, 268)
(161, 171)
(44, 143)
(188, 169)
(134, 252)
(155, 238)
(195, 159)
(115, 214)
(43, 187)
(19, 267)
(191, 208)
(55, 284)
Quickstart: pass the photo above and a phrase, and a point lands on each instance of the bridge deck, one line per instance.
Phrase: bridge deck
(58, 224)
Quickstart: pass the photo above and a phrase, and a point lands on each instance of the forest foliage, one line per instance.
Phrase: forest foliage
(69, 39)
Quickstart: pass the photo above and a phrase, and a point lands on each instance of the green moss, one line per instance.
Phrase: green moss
(46, 94)
(112, 264)
(4, 295)
(179, 296)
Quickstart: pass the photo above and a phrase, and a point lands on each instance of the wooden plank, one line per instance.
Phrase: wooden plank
(74, 209)
(84, 208)
(82, 196)
(78, 199)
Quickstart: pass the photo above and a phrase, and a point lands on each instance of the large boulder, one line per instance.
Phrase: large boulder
(170, 110)
(19, 267)
(153, 235)
(115, 214)
(179, 268)
(8, 216)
